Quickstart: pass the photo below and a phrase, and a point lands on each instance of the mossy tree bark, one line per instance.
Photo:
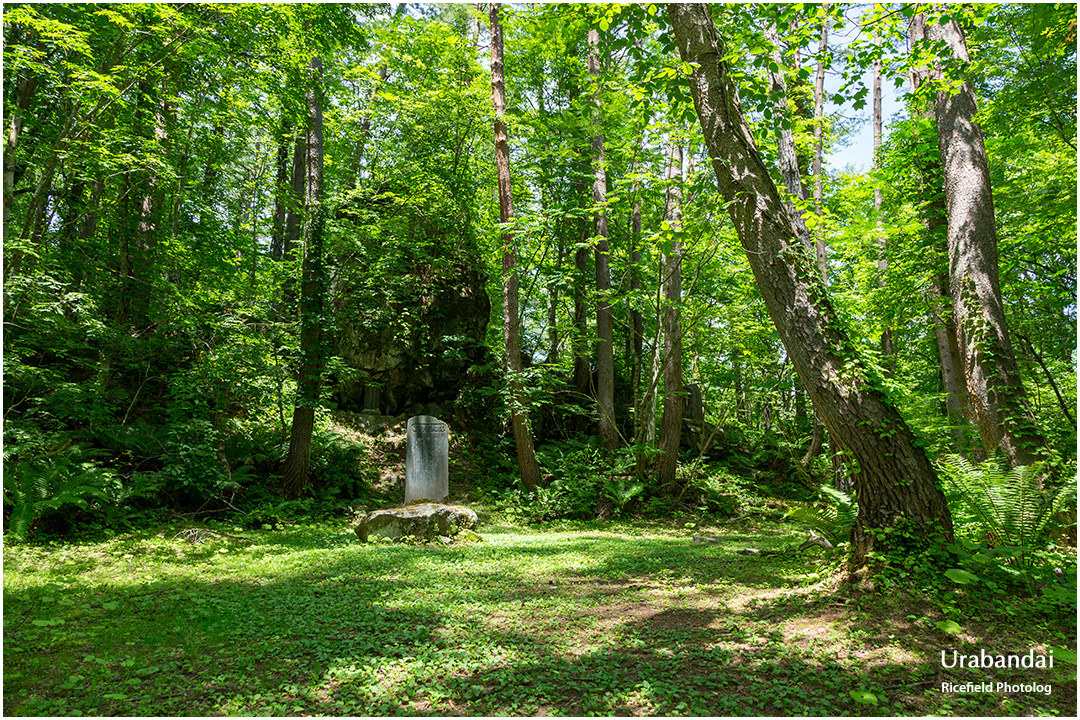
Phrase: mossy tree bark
(997, 401)
(894, 480)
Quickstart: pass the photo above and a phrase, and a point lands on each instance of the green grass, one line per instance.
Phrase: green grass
(579, 619)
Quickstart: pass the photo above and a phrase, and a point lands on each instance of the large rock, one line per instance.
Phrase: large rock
(424, 521)
(409, 340)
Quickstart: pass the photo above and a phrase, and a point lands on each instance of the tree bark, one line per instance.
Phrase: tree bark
(785, 141)
(894, 480)
(605, 348)
(294, 219)
(312, 291)
(637, 330)
(887, 351)
(998, 403)
(671, 424)
(282, 190)
(519, 417)
(928, 162)
(817, 439)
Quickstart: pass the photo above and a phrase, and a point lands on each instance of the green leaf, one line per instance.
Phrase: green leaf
(1062, 654)
(948, 626)
(961, 576)
(863, 697)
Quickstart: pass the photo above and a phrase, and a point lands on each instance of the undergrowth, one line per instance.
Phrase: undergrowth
(617, 617)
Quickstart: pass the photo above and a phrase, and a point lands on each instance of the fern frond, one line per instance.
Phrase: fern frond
(834, 519)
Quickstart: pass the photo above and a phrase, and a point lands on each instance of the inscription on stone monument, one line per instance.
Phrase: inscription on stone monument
(427, 455)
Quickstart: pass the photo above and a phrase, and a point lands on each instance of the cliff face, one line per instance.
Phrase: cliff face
(410, 345)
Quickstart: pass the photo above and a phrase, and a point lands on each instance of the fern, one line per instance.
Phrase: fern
(1003, 507)
(834, 519)
(35, 490)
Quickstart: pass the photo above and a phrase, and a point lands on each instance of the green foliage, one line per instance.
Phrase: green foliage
(1003, 525)
(37, 489)
(833, 518)
(1001, 506)
(114, 627)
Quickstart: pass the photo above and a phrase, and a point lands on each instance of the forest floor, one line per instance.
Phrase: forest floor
(609, 618)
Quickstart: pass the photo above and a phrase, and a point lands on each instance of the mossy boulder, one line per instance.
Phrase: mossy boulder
(423, 521)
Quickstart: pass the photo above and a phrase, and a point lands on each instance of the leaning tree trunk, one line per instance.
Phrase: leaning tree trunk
(894, 480)
(312, 291)
(997, 401)
(519, 417)
(671, 424)
(605, 348)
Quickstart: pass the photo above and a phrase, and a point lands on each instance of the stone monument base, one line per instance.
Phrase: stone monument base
(422, 521)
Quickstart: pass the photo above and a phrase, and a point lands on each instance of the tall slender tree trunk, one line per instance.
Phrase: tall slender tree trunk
(998, 403)
(785, 141)
(605, 348)
(523, 440)
(671, 424)
(894, 480)
(817, 438)
(282, 190)
(637, 330)
(888, 353)
(312, 292)
(294, 218)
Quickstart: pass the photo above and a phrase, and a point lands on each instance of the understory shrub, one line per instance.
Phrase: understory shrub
(1003, 523)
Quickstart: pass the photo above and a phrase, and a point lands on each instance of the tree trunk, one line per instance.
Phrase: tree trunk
(895, 480)
(998, 403)
(785, 141)
(928, 162)
(294, 219)
(553, 306)
(605, 348)
(887, 351)
(523, 440)
(282, 190)
(817, 438)
(637, 329)
(312, 291)
(671, 424)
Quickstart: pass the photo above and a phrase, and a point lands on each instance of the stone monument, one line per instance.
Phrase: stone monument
(427, 455)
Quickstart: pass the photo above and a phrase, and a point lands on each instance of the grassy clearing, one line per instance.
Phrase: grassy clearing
(578, 619)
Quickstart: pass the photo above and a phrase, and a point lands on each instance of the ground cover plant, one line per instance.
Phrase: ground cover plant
(570, 618)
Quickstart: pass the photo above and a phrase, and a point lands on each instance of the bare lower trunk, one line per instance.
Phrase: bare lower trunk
(671, 425)
(894, 480)
(605, 349)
